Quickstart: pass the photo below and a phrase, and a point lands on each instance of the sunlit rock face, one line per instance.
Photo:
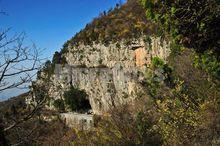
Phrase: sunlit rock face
(78, 121)
(110, 75)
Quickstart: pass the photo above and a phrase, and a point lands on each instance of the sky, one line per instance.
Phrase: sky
(49, 23)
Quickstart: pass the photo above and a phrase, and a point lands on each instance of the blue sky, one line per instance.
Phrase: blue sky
(49, 23)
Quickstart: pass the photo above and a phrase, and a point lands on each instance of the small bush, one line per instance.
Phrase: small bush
(157, 62)
(208, 62)
(59, 104)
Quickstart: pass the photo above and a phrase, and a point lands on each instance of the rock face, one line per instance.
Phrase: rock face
(108, 74)
(79, 121)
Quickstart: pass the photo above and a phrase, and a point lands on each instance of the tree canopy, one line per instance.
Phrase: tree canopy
(192, 23)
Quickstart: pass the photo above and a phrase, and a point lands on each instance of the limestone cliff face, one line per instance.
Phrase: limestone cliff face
(109, 74)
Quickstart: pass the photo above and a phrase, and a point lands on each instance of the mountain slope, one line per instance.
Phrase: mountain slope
(123, 22)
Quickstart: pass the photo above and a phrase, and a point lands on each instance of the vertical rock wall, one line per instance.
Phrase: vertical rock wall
(109, 74)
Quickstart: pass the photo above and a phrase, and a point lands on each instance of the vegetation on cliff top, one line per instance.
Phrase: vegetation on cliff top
(126, 21)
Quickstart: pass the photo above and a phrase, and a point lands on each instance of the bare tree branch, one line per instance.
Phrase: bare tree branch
(17, 61)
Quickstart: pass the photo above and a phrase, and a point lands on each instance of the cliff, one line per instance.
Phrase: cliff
(108, 62)
(111, 74)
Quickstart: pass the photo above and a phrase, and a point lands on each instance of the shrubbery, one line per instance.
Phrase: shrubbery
(59, 104)
(192, 23)
(208, 62)
(76, 99)
(123, 22)
(49, 67)
(123, 128)
(158, 73)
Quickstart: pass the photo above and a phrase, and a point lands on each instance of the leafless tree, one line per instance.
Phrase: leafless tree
(18, 66)
(17, 62)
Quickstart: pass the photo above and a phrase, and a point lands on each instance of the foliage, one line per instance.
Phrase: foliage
(179, 117)
(76, 99)
(172, 120)
(37, 131)
(130, 21)
(65, 47)
(147, 130)
(58, 58)
(43, 128)
(158, 73)
(190, 23)
(49, 67)
(122, 128)
(59, 104)
(158, 62)
(46, 72)
(183, 119)
(183, 106)
(180, 101)
(208, 62)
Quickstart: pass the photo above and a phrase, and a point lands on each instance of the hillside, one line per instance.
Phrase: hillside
(137, 72)
(176, 83)
(17, 102)
(123, 22)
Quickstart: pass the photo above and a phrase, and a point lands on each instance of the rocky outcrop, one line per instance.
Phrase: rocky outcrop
(79, 121)
(109, 74)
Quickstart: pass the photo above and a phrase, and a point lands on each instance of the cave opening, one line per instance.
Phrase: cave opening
(77, 100)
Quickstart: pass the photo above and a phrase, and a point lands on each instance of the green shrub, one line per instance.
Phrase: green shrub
(59, 104)
(76, 99)
(184, 105)
(40, 92)
(157, 62)
(47, 71)
(159, 72)
(147, 133)
(208, 62)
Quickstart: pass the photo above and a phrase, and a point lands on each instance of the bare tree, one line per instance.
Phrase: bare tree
(18, 66)
(17, 62)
